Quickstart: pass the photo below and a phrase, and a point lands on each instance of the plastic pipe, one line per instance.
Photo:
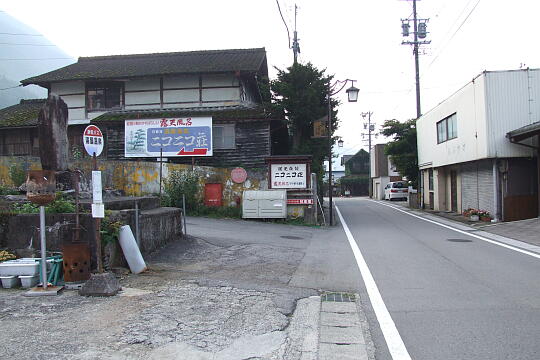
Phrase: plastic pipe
(131, 250)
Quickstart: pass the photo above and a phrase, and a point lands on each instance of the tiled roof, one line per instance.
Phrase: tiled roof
(218, 113)
(23, 114)
(140, 65)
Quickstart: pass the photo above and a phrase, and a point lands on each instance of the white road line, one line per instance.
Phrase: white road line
(464, 232)
(395, 344)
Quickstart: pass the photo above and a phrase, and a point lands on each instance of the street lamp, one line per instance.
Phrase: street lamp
(340, 143)
(352, 95)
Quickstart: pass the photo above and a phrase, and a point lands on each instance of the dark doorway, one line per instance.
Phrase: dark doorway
(453, 190)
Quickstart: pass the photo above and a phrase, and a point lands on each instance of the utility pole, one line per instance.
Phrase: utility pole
(420, 32)
(295, 44)
(370, 128)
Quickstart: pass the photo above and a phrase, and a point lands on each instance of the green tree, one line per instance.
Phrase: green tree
(300, 93)
(403, 149)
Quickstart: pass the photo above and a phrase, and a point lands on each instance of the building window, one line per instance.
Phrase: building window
(430, 179)
(223, 136)
(104, 96)
(447, 129)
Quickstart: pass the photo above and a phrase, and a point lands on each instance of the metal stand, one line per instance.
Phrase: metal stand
(43, 247)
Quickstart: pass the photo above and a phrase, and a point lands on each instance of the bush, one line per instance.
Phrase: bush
(5, 190)
(17, 174)
(58, 206)
(182, 183)
(110, 229)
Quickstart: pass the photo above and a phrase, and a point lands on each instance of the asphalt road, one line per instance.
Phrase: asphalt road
(451, 296)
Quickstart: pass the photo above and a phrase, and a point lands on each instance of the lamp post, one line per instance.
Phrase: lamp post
(352, 95)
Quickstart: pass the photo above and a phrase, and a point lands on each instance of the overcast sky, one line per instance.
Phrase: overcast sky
(351, 39)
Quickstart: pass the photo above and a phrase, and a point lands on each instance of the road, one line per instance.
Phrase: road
(450, 295)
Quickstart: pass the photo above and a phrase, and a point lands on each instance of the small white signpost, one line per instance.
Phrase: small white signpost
(93, 144)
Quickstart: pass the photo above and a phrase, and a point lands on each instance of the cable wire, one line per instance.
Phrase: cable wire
(284, 22)
(12, 87)
(19, 34)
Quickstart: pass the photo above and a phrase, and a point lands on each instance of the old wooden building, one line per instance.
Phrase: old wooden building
(223, 85)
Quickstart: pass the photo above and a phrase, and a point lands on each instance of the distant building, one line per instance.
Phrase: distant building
(382, 171)
(465, 156)
(356, 179)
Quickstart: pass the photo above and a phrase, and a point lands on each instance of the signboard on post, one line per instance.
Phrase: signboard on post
(288, 176)
(93, 140)
(190, 136)
(320, 128)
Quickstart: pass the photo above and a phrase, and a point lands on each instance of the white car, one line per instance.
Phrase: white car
(396, 190)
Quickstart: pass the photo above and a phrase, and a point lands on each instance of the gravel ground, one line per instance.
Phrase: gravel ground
(197, 301)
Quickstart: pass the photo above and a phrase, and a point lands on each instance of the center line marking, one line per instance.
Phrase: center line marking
(395, 344)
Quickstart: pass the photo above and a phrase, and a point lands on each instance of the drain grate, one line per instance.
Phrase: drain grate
(338, 297)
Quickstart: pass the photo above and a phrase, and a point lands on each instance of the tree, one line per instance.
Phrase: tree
(403, 150)
(300, 93)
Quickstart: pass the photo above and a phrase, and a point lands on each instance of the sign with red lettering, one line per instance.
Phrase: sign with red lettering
(190, 136)
(93, 140)
(300, 201)
(288, 176)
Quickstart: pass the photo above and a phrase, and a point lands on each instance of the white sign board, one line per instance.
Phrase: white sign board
(98, 211)
(191, 136)
(93, 140)
(288, 176)
(96, 187)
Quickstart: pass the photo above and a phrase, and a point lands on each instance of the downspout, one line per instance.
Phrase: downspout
(497, 214)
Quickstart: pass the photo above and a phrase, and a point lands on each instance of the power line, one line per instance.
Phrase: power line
(58, 58)
(20, 44)
(12, 87)
(455, 32)
(19, 34)
(284, 22)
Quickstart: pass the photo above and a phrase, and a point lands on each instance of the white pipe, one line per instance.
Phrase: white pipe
(131, 250)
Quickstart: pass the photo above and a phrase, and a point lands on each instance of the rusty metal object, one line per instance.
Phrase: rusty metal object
(41, 186)
(76, 262)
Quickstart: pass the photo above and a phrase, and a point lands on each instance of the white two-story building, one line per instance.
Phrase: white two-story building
(465, 156)
(220, 86)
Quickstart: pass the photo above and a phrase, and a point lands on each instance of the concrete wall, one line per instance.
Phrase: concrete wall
(158, 227)
(142, 177)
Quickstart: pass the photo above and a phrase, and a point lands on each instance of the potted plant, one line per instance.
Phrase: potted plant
(473, 214)
(484, 215)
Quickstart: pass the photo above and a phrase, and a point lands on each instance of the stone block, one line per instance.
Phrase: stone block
(101, 285)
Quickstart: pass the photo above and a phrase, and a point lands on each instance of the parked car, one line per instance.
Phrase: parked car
(396, 190)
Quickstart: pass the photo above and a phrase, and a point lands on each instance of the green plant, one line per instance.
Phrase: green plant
(5, 190)
(182, 183)
(76, 152)
(24, 208)
(110, 229)
(60, 205)
(17, 174)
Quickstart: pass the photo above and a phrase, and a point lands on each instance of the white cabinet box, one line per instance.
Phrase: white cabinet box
(264, 204)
